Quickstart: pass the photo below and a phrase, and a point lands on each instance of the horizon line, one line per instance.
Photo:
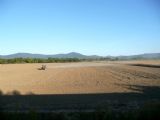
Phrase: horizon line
(79, 53)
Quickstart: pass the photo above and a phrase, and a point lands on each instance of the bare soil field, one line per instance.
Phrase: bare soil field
(84, 86)
(79, 78)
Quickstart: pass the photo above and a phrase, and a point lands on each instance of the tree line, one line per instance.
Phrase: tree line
(38, 60)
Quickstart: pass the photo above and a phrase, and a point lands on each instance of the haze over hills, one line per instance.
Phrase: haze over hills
(142, 56)
(80, 56)
(67, 55)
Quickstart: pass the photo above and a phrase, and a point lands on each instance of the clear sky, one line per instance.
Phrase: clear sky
(102, 27)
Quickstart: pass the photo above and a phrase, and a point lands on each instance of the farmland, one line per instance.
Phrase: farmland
(82, 85)
(77, 78)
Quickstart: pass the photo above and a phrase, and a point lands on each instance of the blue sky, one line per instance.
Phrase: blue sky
(102, 27)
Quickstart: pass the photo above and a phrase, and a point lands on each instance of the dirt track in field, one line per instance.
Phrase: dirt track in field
(76, 78)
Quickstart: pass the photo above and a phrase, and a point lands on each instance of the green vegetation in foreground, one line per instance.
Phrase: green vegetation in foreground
(150, 111)
(38, 60)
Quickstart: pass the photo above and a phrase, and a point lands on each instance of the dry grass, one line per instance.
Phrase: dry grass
(84, 77)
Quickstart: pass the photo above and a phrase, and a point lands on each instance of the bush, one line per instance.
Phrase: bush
(1, 92)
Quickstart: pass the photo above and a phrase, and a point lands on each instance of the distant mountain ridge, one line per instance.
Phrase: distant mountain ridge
(80, 56)
(30, 55)
(142, 56)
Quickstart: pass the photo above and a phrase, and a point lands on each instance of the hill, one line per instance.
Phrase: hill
(81, 56)
(68, 55)
(141, 56)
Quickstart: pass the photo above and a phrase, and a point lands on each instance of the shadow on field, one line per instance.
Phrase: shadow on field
(145, 65)
(69, 102)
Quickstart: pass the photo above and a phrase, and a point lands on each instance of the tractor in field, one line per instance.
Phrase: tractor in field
(43, 67)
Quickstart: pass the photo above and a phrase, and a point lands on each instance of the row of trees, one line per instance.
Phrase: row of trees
(38, 60)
